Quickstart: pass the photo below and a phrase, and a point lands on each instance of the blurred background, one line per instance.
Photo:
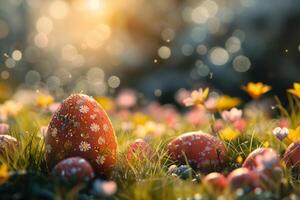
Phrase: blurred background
(156, 47)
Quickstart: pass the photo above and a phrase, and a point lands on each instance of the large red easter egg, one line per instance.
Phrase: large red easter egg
(81, 128)
(200, 150)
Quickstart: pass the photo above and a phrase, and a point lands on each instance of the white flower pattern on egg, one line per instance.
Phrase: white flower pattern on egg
(105, 127)
(101, 140)
(84, 109)
(100, 159)
(48, 148)
(84, 146)
(93, 116)
(94, 127)
(54, 132)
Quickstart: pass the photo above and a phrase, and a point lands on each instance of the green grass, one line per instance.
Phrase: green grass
(147, 179)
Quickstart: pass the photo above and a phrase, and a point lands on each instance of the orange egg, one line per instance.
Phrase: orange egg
(81, 128)
(215, 181)
(201, 150)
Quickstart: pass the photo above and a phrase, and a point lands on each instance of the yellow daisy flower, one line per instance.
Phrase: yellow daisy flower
(229, 133)
(255, 90)
(44, 101)
(296, 90)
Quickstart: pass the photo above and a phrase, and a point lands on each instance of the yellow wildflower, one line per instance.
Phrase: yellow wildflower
(140, 118)
(255, 90)
(296, 90)
(239, 159)
(226, 102)
(266, 144)
(229, 133)
(221, 103)
(197, 98)
(294, 135)
(4, 175)
(44, 101)
(150, 128)
(106, 102)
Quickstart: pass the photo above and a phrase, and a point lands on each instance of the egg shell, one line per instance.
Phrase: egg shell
(74, 170)
(215, 180)
(81, 128)
(141, 150)
(243, 178)
(291, 156)
(8, 144)
(201, 150)
(250, 161)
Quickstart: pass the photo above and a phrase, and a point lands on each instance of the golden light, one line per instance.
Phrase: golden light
(95, 5)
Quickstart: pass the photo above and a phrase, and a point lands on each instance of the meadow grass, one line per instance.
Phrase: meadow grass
(138, 180)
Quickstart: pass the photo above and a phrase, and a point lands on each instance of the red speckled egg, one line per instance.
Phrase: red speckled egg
(243, 178)
(292, 155)
(74, 170)
(215, 180)
(201, 150)
(251, 162)
(140, 149)
(81, 128)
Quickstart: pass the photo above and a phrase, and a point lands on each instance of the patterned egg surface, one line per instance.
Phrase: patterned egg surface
(251, 161)
(8, 146)
(74, 170)
(215, 181)
(81, 128)
(201, 150)
(292, 155)
(243, 178)
(141, 150)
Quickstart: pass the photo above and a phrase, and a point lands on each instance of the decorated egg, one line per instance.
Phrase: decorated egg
(141, 150)
(8, 144)
(81, 128)
(184, 172)
(74, 170)
(292, 155)
(201, 151)
(252, 161)
(243, 178)
(215, 180)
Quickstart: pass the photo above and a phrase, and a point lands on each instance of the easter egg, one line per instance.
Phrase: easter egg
(292, 155)
(8, 146)
(215, 180)
(74, 170)
(81, 128)
(251, 160)
(201, 150)
(184, 172)
(243, 178)
(141, 150)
